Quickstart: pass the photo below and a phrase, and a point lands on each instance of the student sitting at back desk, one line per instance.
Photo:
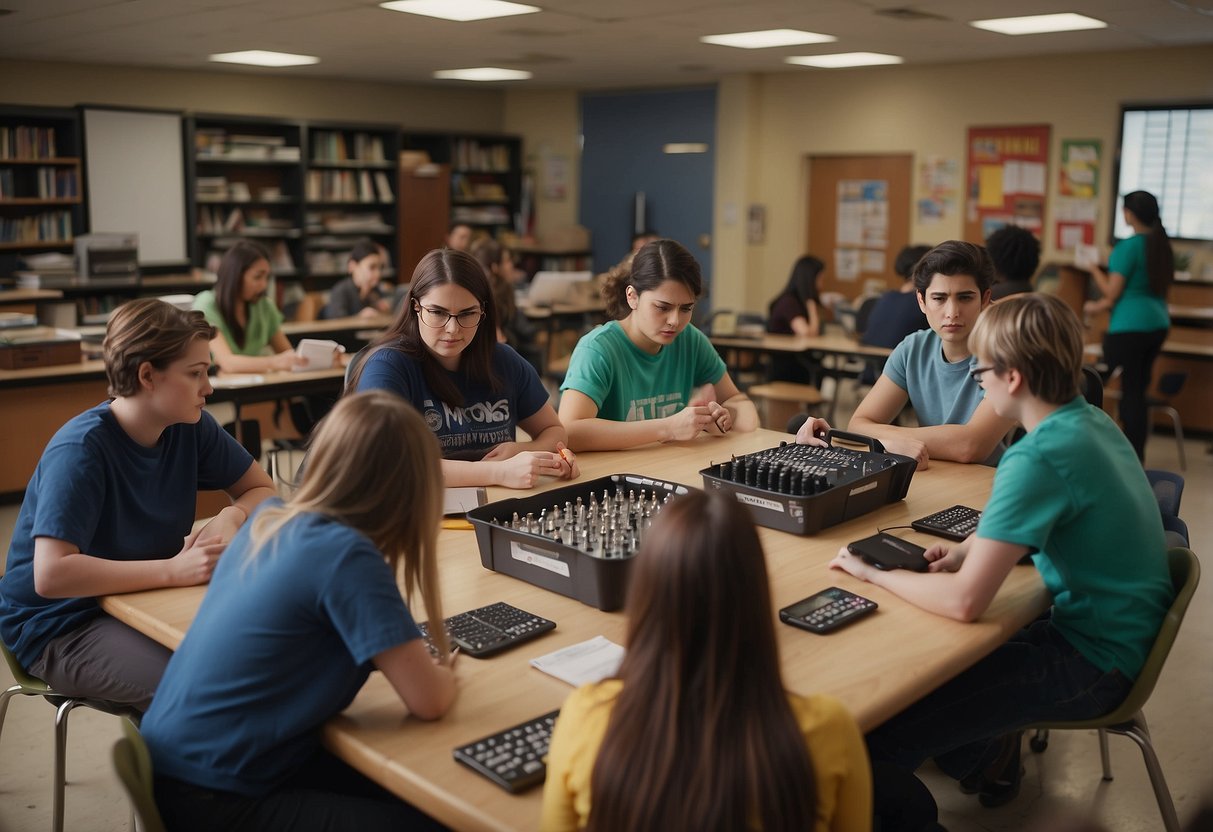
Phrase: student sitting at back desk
(364, 292)
(697, 731)
(1072, 494)
(306, 605)
(930, 369)
(896, 314)
(110, 503)
(649, 375)
(1015, 253)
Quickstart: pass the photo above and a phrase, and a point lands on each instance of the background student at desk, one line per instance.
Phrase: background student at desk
(363, 292)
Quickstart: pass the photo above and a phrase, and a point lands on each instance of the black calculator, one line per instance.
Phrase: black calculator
(955, 523)
(513, 758)
(826, 610)
(487, 630)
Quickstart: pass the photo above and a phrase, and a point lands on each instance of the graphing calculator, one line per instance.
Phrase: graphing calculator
(827, 610)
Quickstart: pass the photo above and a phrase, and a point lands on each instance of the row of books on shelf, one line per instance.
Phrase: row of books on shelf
(330, 146)
(469, 154)
(48, 183)
(27, 143)
(255, 222)
(217, 143)
(481, 214)
(340, 222)
(464, 187)
(219, 189)
(48, 227)
(348, 186)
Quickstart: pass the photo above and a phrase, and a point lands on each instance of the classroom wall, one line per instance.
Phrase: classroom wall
(926, 110)
(550, 126)
(414, 106)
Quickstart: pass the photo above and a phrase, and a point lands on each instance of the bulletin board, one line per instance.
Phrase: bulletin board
(1007, 178)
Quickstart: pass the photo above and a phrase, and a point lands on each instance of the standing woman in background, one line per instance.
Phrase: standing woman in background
(1140, 271)
(697, 730)
(795, 311)
(246, 318)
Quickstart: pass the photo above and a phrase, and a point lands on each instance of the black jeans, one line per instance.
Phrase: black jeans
(1035, 676)
(326, 795)
(1134, 353)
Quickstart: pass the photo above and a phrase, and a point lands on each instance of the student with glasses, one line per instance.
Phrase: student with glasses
(441, 354)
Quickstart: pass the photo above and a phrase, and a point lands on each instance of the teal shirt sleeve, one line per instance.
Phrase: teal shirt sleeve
(590, 372)
(1027, 500)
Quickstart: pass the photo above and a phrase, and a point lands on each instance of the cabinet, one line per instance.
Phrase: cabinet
(349, 193)
(41, 205)
(486, 176)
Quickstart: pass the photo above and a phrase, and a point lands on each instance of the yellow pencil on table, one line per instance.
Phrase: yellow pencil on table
(456, 523)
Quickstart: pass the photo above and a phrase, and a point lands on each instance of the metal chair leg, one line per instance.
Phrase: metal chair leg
(1104, 756)
(1140, 734)
(60, 783)
(4, 698)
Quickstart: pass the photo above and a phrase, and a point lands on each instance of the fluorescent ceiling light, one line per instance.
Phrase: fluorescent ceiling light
(845, 59)
(767, 38)
(461, 10)
(483, 73)
(1037, 24)
(260, 57)
(684, 147)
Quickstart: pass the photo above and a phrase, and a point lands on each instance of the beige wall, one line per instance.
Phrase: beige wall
(410, 105)
(549, 122)
(926, 111)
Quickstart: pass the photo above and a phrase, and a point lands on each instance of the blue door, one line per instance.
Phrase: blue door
(623, 138)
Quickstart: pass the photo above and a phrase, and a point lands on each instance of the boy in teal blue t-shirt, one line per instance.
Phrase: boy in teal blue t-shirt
(1072, 494)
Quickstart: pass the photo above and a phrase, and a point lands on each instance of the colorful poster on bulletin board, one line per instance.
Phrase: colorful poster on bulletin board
(1077, 207)
(1007, 179)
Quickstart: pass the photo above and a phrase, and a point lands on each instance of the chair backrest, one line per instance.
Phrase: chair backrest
(1185, 575)
(133, 764)
(22, 678)
(1092, 386)
(1169, 384)
(864, 313)
(1168, 490)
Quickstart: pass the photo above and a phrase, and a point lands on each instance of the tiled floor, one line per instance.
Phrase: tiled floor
(1064, 781)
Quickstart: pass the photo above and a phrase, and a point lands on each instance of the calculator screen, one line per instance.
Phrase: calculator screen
(809, 605)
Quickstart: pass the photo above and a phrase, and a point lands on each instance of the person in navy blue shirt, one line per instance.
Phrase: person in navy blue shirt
(441, 354)
(110, 506)
(304, 605)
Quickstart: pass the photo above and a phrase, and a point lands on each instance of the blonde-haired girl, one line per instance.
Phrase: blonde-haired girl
(306, 606)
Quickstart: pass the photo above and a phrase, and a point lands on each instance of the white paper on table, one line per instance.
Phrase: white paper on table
(319, 354)
(583, 663)
(462, 500)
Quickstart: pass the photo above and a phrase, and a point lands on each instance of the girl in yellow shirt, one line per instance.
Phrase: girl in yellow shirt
(697, 731)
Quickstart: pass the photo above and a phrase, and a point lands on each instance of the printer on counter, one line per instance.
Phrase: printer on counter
(108, 259)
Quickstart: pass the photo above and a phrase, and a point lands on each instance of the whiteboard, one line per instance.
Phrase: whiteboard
(136, 180)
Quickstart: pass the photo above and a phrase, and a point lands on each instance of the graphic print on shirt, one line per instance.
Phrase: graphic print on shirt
(654, 407)
(480, 424)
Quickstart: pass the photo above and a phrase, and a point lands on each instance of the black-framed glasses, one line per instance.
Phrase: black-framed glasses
(438, 318)
(977, 372)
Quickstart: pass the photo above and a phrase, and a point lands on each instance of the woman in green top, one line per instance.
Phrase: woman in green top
(1134, 287)
(246, 319)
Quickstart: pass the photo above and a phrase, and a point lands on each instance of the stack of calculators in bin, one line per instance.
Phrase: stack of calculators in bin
(805, 488)
(578, 540)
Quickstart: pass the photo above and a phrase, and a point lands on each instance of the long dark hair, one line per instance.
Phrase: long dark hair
(702, 735)
(654, 264)
(1160, 259)
(236, 261)
(443, 265)
(802, 283)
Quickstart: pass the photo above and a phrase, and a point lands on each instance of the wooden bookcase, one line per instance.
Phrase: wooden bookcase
(41, 183)
(424, 208)
(349, 193)
(486, 176)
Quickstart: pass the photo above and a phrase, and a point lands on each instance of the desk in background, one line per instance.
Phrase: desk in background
(876, 667)
(560, 317)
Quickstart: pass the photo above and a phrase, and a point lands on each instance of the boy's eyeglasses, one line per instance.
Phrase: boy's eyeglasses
(977, 372)
(438, 318)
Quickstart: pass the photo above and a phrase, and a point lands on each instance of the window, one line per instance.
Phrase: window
(1168, 151)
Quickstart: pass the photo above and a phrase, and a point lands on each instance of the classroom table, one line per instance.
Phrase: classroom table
(560, 316)
(876, 667)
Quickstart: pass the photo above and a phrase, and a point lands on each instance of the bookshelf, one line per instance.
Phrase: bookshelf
(486, 176)
(41, 186)
(246, 182)
(349, 193)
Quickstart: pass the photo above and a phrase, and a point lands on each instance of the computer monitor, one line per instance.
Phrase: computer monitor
(549, 288)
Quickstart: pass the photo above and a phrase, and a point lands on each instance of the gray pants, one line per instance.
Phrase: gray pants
(104, 659)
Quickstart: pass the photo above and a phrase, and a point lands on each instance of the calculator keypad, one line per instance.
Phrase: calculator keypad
(487, 630)
(513, 758)
(838, 612)
(955, 523)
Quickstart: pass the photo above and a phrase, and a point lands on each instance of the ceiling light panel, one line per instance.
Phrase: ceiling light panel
(482, 73)
(767, 38)
(1039, 24)
(842, 60)
(460, 10)
(262, 57)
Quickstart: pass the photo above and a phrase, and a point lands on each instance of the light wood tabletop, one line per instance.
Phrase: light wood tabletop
(836, 343)
(876, 666)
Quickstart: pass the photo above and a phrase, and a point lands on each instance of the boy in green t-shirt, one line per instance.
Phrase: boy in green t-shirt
(1072, 494)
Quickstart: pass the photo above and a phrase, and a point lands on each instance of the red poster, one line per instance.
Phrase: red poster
(1007, 179)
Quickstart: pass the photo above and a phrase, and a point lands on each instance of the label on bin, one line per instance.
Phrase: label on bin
(761, 502)
(535, 558)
